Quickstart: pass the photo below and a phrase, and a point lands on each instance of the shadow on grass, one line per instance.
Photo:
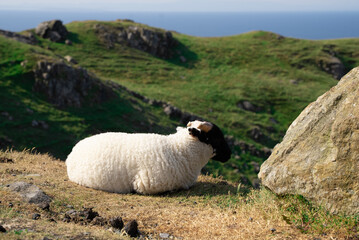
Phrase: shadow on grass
(183, 56)
(74, 37)
(207, 188)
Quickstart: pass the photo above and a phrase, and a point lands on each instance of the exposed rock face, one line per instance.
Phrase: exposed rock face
(155, 42)
(30, 39)
(68, 86)
(333, 66)
(319, 155)
(53, 30)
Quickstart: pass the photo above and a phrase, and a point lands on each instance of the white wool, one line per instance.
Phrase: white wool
(145, 163)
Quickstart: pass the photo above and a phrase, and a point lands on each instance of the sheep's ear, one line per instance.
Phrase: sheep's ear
(205, 126)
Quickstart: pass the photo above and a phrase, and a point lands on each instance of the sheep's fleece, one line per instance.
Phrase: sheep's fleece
(144, 163)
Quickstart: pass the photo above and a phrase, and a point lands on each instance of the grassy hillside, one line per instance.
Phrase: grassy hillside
(21, 106)
(280, 76)
(212, 209)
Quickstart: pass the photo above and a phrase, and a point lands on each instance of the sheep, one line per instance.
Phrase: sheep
(146, 163)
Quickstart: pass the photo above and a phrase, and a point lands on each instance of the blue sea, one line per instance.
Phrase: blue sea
(304, 25)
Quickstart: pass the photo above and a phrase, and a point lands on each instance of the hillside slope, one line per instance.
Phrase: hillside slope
(212, 209)
(251, 85)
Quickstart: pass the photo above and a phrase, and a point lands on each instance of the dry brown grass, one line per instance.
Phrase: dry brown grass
(212, 209)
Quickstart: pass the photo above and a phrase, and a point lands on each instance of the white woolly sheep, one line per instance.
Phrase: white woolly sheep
(146, 163)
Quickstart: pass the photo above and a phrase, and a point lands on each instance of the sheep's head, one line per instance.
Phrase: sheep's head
(209, 133)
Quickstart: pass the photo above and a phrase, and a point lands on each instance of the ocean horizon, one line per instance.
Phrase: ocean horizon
(304, 25)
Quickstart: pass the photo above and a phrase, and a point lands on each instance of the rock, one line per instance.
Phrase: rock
(248, 106)
(256, 134)
(53, 30)
(256, 166)
(23, 63)
(131, 228)
(294, 81)
(333, 66)
(2, 229)
(40, 123)
(116, 223)
(65, 85)
(31, 193)
(99, 221)
(6, 160)
(183, 59)
(164, 235)
(319, 155)
(36, 216)
(68, 42)
(155, 42)
(88, 214)
(44, 206)
(70, 59)
(172, 111)
(30, 39)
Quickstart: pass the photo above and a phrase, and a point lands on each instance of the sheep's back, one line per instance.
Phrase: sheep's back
(111, 161)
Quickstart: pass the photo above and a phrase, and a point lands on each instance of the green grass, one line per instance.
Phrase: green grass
(219, 72)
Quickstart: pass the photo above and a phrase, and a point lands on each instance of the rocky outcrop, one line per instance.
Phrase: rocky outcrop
(29, 39)
(319, 155)
(155, 42)
(53, 30)
(333, 66)
(65, 85)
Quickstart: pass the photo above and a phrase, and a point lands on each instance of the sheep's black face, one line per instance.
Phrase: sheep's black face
(211, 134)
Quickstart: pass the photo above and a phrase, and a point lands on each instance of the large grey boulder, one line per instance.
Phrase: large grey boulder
(53, 30)
(319, 155)
(65, 85)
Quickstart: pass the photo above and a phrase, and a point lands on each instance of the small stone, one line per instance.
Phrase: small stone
(116, 222)
(23, 63)
(164, 235)
(273, 230)
(131, 228)
(99, 221)
(30, 111)
(2, 229)
(36, 216)
(183, 59)
(250, 219)
(68, 42)
(44, 206)
(70, 59)
(11, 205)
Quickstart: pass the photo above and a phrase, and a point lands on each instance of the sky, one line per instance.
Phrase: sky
(182, 5)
